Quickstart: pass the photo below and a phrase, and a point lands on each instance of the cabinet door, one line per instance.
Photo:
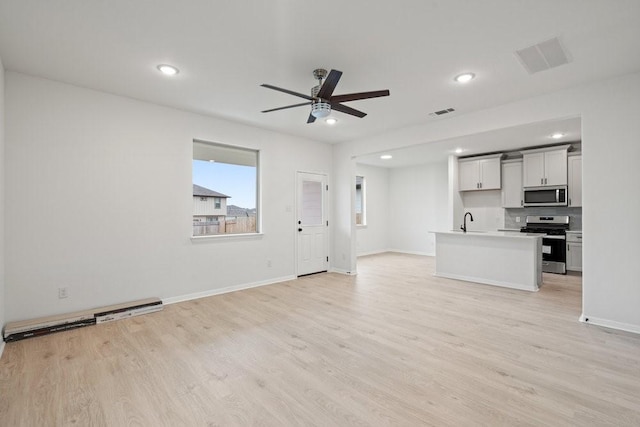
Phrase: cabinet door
(575, 181)
(574, 256)
(533, 169)
(555, 167)
(512, 185)
(468, 174)
(490, 174)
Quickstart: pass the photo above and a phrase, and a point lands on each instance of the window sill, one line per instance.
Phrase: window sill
(244, 236)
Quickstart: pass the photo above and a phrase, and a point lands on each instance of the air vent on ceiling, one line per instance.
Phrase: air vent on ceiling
(441, 112)
(543, 56)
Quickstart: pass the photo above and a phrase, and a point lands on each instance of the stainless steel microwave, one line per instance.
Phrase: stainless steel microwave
(546, 196)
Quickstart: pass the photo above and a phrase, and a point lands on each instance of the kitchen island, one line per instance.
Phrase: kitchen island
(499, 258)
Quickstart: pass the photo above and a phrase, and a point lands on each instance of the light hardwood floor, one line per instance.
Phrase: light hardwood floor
(391, 346)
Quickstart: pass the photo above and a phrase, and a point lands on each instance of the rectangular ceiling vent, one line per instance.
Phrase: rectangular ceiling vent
(543, 56)
(441, 112)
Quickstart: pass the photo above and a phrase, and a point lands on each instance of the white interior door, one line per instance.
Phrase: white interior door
(312, 226)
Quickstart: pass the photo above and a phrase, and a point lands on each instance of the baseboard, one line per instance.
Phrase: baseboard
(484, 281)
(341, 271)
(612, 324)
(212, 292)
(381, 251)
(1, 348)
(400, 251)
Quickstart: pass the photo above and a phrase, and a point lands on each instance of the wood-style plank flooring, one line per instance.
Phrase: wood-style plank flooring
(391, 346)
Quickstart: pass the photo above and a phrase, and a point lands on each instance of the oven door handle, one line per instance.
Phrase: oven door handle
(555, 237)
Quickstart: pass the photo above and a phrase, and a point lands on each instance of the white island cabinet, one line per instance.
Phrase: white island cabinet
(507, 259)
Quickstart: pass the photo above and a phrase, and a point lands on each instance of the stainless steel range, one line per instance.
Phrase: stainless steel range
(553, 230)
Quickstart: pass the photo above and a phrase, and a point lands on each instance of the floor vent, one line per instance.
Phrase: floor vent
(543, 56)
(15, 331)
(441, 112)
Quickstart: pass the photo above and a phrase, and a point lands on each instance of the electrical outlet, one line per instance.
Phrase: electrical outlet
(63, 292)
(517, 219)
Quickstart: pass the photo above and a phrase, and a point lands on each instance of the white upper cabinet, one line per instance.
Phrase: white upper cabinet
(468, 174)
(512, 185)
(542, 167)
(575, 181)
(555, 167)
(480, 173)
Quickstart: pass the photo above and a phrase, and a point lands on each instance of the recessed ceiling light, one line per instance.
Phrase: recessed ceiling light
(557, 135)
(386, 157)
(459, 150)
(168, 70)
(331, 121)
(464, 77)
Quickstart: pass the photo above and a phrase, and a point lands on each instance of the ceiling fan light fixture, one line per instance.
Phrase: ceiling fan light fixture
(320, 110)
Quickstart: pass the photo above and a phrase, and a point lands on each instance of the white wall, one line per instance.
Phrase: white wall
(485, 206)
(418, 197)
(2, 171)
(611, 148)
(611, 203)
(82, 169)
(374, 238)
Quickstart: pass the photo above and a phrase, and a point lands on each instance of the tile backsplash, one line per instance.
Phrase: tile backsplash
(510, 215)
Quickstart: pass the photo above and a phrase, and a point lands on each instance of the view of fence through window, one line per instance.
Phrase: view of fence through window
(225, 189)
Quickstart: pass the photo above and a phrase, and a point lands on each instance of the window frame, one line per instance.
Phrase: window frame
(258, 195)
(363, 201)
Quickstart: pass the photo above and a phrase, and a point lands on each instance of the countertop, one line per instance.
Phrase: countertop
(510, 234)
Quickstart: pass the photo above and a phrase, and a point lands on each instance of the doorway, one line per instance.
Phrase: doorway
(311, 224)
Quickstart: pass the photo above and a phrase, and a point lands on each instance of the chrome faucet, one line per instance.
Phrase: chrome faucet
(463, 227)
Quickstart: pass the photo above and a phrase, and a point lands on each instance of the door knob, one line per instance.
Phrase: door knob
(299, 229)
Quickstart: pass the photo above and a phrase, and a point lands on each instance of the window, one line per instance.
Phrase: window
(224, 178)
(361, 210)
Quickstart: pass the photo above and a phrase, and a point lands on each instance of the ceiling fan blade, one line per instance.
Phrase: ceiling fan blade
(311, 119)
(290, 92)
(288, 106)
(361, 95)
(329, 84)
(348, 110)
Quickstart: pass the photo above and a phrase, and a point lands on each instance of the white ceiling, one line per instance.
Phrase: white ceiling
(501, 140)
(226, 49)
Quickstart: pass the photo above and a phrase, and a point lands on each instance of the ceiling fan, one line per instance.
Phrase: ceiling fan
(322, 100)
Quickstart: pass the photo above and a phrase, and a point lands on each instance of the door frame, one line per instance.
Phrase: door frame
(295, 218)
